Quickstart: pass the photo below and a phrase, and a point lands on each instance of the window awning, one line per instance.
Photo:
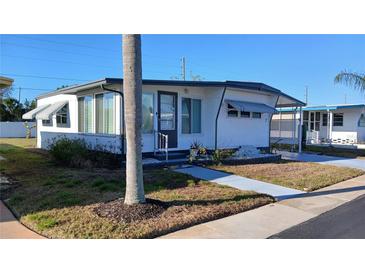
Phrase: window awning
(31, 114)
(46, 114)
(251, 107)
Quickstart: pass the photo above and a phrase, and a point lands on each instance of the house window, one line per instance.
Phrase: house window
(337, 119)
(256, 115)
(191, 115)
(47, 123)
(104, 108)
(62, 117)
(362, 120)
(324, 119)
(85, 114)
(231, 111)
(147, 113)
(245, 114)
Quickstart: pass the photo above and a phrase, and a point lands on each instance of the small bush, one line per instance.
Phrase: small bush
(221, 154)
(69, 152)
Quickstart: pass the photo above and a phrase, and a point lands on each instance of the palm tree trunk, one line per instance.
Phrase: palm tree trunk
(132, 87)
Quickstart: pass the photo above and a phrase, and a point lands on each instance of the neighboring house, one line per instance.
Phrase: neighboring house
(328, 124)
(5, 83)
(216, 114)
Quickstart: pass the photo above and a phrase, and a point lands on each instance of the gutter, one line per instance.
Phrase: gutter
(216, 119)
(122, 125)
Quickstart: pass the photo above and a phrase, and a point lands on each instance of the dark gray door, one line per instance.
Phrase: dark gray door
(167, 116)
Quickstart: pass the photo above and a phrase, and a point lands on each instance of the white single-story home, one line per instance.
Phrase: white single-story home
(215, 114)
(327, 124)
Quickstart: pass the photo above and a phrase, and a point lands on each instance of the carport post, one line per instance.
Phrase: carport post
(294, 126)
(300, 130)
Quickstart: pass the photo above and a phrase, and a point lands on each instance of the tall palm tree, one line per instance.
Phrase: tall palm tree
(355, 80)
(132, 87)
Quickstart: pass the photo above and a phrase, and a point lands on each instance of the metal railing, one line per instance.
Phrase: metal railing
(163, 144)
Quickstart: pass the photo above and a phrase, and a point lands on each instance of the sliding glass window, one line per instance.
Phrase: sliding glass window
(85, 112)
(191, 115)
(105, 113)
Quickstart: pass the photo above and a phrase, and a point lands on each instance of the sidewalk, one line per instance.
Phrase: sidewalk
(243, 183)
(271, 219)
(323, 159)
(11, 228)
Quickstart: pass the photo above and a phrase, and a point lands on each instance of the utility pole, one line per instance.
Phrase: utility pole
(306, 95)
(183, 68)
(345, 98)
(20, 91)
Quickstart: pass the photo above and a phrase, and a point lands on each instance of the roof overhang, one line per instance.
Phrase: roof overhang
(283, 101)
(251, 106)
(5, 82)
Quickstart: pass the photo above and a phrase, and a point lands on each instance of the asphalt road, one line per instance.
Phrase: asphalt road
(344, 222)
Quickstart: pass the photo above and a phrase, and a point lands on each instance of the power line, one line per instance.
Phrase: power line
(29, 88)
(55, 50)
(65, 43)
(42, 77)
(57, 61)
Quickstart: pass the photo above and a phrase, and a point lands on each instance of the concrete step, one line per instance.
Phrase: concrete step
(171, 155)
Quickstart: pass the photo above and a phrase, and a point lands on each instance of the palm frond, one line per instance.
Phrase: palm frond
(355, 80)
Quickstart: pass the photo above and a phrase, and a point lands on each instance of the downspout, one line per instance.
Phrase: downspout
(122, 110)
(216, 119)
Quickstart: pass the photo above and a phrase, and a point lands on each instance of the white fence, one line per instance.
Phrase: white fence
(15, 129)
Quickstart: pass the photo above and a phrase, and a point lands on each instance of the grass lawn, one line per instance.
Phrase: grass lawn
(298, 175)
(60, 202)
(21, 142)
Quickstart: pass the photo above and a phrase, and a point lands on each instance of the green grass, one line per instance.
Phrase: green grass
(58, 202)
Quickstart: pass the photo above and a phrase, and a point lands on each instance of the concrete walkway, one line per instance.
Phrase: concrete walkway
(323, 159)
(271, 219)
(223, 178)
(11, 228)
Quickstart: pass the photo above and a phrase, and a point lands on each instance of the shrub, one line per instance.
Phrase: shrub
(221, 154)
(69, 152)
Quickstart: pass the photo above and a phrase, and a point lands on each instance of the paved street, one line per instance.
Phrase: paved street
(344, 222)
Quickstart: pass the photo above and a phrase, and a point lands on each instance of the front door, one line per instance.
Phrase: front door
(167, 116)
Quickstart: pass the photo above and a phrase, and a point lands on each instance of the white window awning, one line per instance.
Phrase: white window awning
(251, 107)
(46, 114)
(31, 114)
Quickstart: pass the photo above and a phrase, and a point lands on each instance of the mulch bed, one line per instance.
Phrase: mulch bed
(121, 212)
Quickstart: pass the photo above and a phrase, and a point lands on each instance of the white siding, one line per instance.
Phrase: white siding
(232, 132)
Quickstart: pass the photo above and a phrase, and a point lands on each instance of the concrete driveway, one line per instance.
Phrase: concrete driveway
(323, 159)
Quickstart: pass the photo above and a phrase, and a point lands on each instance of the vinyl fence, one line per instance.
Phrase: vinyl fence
(15, 129)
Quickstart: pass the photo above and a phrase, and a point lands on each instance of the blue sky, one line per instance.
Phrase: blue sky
(287, 62)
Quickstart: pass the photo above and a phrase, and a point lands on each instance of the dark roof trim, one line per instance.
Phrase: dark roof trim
(224, 84)
(232, 84)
